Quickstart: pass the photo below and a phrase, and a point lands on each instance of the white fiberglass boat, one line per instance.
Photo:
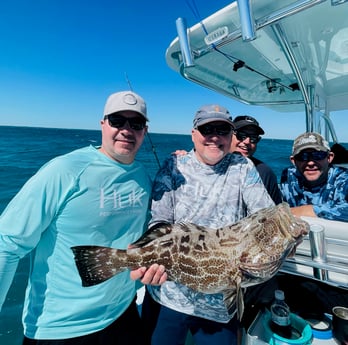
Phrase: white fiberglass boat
(288, 56)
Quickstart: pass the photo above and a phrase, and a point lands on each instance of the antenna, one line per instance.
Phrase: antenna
(148, 134)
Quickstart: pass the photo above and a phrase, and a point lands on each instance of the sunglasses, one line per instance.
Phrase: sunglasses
(311, 156)
(254, 139)
(119, 121)
(208, 129)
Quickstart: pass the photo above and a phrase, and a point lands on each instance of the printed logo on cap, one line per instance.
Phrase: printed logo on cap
(129, 99)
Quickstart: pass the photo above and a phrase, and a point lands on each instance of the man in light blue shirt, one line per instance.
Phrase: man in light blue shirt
(93, 195)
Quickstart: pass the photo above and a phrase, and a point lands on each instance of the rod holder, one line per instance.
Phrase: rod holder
(318, 249)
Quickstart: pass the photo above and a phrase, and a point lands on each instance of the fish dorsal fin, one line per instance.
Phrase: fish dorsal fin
(161, 229)
(155, 231)
(190, 227)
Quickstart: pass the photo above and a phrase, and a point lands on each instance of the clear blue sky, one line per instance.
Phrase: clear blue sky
(60, 59)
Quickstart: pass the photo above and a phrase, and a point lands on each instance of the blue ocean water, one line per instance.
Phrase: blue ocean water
(23, 150)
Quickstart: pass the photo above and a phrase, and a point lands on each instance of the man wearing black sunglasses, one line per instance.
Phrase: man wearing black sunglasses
(246, 135)
(212, 187)
(313, 186)
(96, 195)
(123, 127)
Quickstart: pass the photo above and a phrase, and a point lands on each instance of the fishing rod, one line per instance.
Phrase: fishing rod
(148, 134)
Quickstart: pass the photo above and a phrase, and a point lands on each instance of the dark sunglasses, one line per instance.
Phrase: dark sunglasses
(119, 121)
(311, 156)
(208, 129)
(254, 139)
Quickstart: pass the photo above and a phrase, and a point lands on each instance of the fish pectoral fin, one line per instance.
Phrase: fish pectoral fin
(290, 251)
(263, 270)
(235, 296)
(229, 298)
(94, 263)
(240, 302)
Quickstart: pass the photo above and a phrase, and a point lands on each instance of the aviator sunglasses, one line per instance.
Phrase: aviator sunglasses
(208, 129)
(311, 156)
(119, 121)
(254, 139)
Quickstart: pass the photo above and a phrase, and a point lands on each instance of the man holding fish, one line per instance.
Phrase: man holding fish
(93, 195)
(209, 187)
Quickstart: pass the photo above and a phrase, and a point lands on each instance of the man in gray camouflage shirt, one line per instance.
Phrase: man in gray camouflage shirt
(211, 187)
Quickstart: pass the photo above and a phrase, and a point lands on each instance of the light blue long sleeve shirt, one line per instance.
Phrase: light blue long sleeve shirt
(81, 198)
(186, 190)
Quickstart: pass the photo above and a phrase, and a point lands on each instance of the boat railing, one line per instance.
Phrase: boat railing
(329, 128)
(322, 255)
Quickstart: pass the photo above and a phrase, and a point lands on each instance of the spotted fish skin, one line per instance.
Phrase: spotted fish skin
(246, 253)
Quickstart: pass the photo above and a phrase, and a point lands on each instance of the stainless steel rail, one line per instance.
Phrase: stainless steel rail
(332, 267)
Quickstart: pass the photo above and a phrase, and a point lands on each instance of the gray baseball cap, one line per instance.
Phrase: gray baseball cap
(123, 101)
(210, 113)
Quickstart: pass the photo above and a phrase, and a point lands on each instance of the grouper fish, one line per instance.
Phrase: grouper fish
(223, 260)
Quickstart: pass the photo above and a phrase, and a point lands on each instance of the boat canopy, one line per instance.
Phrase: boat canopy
(286, 55)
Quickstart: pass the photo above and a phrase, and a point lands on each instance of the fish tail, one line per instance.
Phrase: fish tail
(95, 264)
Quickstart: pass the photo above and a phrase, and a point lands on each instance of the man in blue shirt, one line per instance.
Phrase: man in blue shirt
(96, 196)
(313, 186)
